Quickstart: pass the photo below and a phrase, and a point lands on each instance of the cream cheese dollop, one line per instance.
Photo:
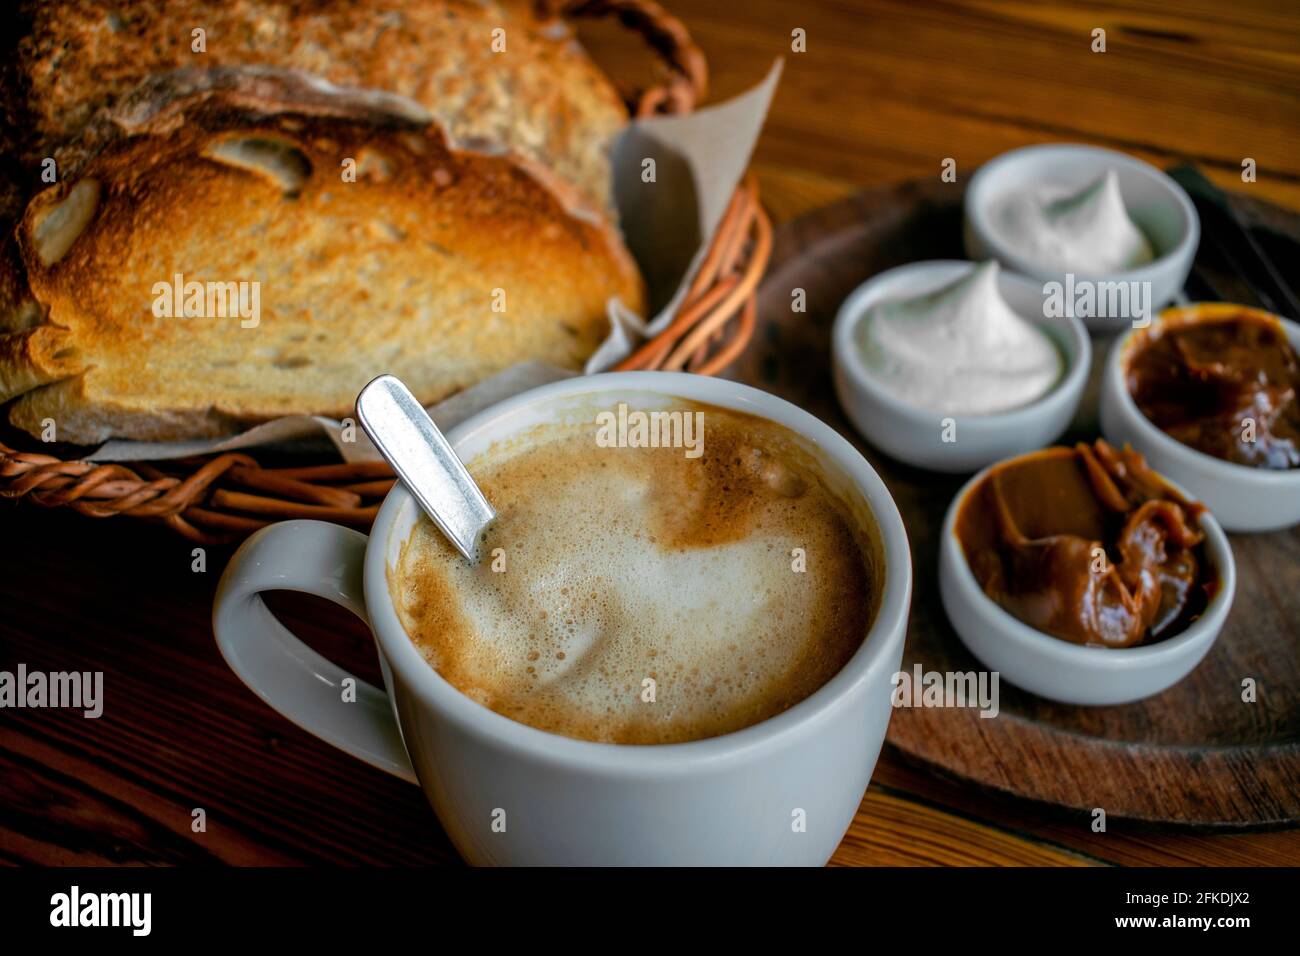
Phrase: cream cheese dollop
(958, 350)
(1088, 231)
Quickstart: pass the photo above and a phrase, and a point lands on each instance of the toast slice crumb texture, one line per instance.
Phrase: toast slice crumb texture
(540, 97)
(439, 265)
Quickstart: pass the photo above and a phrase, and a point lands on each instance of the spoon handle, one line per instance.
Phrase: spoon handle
(409, 440)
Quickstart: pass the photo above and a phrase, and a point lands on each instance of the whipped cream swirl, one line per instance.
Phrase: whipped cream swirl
(1088, 232)
(960, 350)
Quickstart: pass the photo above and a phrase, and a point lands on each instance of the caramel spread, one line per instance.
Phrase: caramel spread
(1225, 383)
(1087, 544)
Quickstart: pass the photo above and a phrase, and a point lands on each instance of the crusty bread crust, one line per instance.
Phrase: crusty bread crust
(26, 351)
(541, 99)
(18, 310)
(236, 175)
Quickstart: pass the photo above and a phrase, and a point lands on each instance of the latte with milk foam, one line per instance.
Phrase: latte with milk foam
(637, 595)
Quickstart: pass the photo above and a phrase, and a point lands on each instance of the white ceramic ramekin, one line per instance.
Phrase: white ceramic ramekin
(1073, 673)
(916, 435)
(1157, 204)
(1242, 498)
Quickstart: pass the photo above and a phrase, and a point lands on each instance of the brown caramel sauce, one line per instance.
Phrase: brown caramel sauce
(1200, 375)
(1088, 544)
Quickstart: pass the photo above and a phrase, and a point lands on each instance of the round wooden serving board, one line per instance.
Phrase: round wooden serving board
(1196, 755)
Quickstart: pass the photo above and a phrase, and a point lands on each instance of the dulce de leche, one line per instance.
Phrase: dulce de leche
(1089, 545)
(1224, 380)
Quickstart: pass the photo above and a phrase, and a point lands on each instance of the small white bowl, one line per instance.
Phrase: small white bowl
(1060, 670)
(1242, 498)
(915, 435)
(1157, 204)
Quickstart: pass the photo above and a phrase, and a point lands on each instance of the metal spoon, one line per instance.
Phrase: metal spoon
(409, 441)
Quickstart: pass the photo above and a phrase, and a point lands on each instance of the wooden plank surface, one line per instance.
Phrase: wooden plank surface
(884, 93)
(887, 90)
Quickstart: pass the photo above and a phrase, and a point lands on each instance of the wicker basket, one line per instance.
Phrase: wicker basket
(220, 498)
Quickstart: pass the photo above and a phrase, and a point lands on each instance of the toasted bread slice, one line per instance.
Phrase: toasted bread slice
(528, 89)
(439, 265)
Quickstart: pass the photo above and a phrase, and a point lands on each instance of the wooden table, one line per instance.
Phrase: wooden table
(885, 92)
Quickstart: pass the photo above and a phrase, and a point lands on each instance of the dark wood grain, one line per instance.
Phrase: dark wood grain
(178, 731)
(1196, 754)
(888, 88)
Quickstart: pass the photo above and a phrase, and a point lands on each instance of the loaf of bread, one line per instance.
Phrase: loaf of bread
(420, 187)
(436, 264)
(489, 72)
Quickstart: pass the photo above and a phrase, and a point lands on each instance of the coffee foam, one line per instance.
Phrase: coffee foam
(623, 564)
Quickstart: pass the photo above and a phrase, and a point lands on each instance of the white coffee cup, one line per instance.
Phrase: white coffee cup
(780, 792)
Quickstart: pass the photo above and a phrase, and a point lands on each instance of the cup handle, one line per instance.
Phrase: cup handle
(326, 560)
